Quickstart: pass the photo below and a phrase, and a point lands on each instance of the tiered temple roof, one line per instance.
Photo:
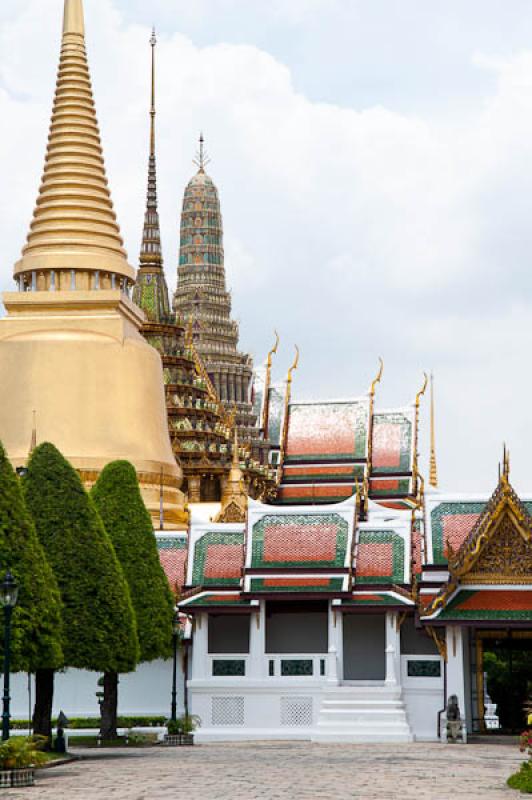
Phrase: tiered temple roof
(362, 554)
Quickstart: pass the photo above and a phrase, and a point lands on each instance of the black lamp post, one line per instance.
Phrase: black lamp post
(8, 599)
(176, 635)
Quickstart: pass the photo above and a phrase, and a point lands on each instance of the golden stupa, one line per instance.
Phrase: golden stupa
(72, 360)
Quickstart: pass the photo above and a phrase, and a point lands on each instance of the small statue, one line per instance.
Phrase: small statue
(454, 720)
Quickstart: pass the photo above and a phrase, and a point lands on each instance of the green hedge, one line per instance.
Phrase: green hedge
(522, 780)
(79, 723)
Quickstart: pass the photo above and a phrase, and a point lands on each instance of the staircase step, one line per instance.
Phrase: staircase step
(362, 714)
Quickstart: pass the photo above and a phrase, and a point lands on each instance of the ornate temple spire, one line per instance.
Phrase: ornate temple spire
(151, 291)
(433, 472)
(235, 497)
(74, 228)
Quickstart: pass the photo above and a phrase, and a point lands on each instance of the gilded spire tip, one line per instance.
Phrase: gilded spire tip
(73, 20)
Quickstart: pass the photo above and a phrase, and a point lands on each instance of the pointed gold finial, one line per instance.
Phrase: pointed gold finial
(506, 462)
(372, 390)
(433, 471)
(287, 397)
(378, 378)
(74, 231)
(417, 403)
(73, 20)
(294, 366)
(423, 389)
(267, 384)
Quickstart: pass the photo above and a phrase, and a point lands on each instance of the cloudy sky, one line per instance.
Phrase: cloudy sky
(374, 159)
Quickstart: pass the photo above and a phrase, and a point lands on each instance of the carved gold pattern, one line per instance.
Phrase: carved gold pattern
(499, 547)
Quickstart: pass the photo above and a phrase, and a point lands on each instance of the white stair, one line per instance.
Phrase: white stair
(362, 714)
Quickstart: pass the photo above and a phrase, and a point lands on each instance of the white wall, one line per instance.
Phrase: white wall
(146, 692)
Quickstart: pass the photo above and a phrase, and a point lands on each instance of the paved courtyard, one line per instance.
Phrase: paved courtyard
(284, 771)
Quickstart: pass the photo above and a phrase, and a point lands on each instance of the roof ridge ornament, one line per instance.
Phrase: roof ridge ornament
(377, 378)
(267, 384)
(506, 462)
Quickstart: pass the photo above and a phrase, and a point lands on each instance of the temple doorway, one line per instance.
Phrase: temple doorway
(504, 674)
(364, 647)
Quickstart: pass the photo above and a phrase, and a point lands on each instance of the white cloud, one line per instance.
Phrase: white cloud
(356, 232)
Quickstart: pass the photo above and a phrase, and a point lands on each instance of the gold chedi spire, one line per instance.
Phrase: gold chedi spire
(433, 472)
(74, 235)
(71, 351)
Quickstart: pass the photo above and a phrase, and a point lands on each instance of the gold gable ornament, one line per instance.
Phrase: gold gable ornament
(498, 550)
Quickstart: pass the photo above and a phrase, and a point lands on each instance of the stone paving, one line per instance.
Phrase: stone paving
(284, 771)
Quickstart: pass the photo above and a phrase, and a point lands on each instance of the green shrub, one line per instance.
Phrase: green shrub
(82, 723)
(183, 725)
(522, 780)
(20, 752)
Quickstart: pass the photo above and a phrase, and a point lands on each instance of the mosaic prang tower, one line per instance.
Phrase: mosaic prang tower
(202, 300)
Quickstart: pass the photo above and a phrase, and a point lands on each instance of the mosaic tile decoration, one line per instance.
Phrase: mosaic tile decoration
(452, 522)
(215, 599)
(486, 604)
(173, 557)
(218, 559)
(299, 540)
(388, 487)
(392, 442)
(315, 494)
(380, 557)
(416, 550)
(328, 431)
(284, 585)
(324, 473)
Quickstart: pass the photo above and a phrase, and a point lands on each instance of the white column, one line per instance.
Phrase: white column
(200, 648)
(257, 644)
(393, 649)
(455, 665)
(336, 646)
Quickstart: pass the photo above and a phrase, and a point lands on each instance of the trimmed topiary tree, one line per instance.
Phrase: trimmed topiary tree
(99, 624)
(128, 523)
(36, 632)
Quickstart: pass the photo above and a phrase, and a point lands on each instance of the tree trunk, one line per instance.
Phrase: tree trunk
(44, 696)
(109, 706)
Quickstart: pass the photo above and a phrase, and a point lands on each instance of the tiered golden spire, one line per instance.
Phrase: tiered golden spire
(74, 225)
(433, 472)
